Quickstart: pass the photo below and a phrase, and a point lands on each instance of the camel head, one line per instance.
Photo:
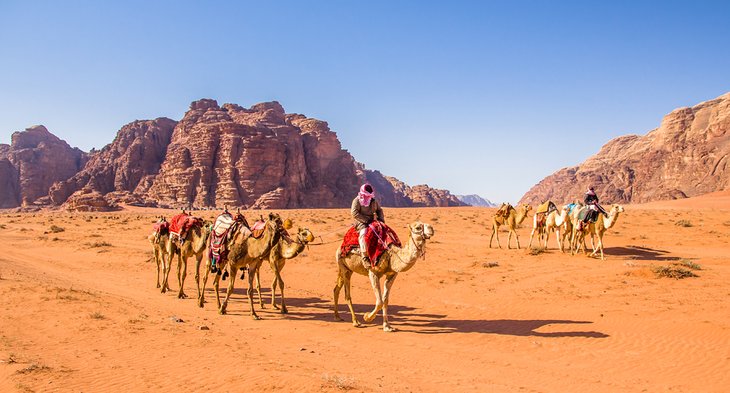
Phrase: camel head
(617, 208)
(304, 235)
(527, 207)
(419, 229)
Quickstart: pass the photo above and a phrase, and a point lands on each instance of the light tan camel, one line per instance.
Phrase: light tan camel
(283, 250)
(244, 252)
(559, 223)
(539, 221)
(393, 261)
(596, 229)
(196, 240)
(512, 218)
(159, 252)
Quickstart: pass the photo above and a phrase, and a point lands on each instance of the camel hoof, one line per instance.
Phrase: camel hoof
(284, 310)
(367, 318)
(275, 306)
(255, 317)
(338, 318)
(182, 296)
(388, 328)
(158, 285)
(222, 311)
(357, 324)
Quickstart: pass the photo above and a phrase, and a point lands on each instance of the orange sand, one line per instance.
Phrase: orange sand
(89, 319)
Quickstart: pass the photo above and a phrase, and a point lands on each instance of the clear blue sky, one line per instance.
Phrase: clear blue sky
(476, 97)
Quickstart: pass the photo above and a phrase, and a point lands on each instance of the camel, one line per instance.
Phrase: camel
(596, 229)
(539, 219)
(283, 250)
(195, 243)
(512, 218)
(393, 261)
(244, 252)
(556, 222)
(159, 250)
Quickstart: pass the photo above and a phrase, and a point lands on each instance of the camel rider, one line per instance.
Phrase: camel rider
(591, 200)
(365, 209)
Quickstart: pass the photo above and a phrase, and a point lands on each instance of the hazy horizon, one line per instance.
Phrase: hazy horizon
(474, 97)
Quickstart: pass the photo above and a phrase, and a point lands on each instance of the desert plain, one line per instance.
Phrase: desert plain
(80, 311)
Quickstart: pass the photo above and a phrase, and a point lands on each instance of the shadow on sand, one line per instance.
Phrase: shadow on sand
(641, 253)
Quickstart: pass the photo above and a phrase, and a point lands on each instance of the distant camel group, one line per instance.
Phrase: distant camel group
(566, 223)
(246, 253)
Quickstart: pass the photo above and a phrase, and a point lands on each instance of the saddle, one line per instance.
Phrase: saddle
(257, 229)
(224, 228)
(546, 208)
(588, 214)
(504, 210)
(182, 223)
(378, 238)
(160, 228)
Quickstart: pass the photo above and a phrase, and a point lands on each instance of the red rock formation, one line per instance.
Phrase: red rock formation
(686, 156)
(9, 184)
(257, 157)
(125, 166)
(88, 200)
(39, 159)
(393, 192)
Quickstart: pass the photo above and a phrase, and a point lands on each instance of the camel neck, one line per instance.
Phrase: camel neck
(406, 257)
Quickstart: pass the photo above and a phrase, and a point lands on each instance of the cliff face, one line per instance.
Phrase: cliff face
(686, 156)
(259, 157)
(124, 166)
(33, 161)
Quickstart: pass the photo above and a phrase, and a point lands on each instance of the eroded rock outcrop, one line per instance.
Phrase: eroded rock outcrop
(38, 159)
(88, 200)
(123, 167)
(686, 156)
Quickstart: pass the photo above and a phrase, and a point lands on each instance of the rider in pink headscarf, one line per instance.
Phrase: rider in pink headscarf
(365, 209)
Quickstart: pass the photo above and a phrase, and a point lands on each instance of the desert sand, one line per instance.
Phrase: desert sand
(80, 311)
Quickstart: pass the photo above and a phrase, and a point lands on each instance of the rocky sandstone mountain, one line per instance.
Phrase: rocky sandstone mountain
(476, 200)
(126, 166)
(33, 161)
(258, 157)
(686, 156)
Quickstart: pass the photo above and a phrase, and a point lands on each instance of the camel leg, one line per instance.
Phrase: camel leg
(336, 291)
(168, 266)
(216, 283)
(280, 281)
(509, 239)
(348, 296)
(375, 283)
(258, 287)
(156, 255)
(249, 292)
(529, 244)
(182, 271)
(547, 236)
(495, 229)
(386, 295)
(201, 287)
(558, 239)
(231, 281)
(198, 259)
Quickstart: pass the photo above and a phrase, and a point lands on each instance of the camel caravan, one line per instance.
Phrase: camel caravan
(571, 223)
(230, 245)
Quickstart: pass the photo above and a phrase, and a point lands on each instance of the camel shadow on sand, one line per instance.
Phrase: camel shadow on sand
(510, 327)
(640, 253)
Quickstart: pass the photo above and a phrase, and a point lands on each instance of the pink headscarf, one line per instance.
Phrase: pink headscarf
(364, 196)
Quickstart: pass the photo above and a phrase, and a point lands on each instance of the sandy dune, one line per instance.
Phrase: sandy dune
(79, 315)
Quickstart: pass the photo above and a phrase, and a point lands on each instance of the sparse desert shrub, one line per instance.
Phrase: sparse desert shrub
(35, 367)
(2, 226)
(97, 315)
(689, 264)
(99, 244)
(673, 271)
(683, 223)
(490, 264)
(726, 223)
(336, 381)
(536, 250)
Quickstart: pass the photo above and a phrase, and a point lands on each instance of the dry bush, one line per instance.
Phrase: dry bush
(490, 264)
(683, 223)
(99, 244)
(35, 367)
(688, 264)
(536, 250)
(673, 271)
(97, 315)
(339, 382)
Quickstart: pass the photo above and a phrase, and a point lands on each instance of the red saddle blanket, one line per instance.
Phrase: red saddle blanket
(378, 238)
(181, 223)
(161, 227)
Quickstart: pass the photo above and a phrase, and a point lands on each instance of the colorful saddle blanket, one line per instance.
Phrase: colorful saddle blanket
(257, 229)
(378, 238)
(181, 224)
(590, 211)
(223, 223)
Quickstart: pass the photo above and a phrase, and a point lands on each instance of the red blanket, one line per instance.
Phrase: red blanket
(378, 238)
(181, 223)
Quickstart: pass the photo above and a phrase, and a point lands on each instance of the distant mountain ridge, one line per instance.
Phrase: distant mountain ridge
(687, 155)
(257, 157)
(476, 200)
